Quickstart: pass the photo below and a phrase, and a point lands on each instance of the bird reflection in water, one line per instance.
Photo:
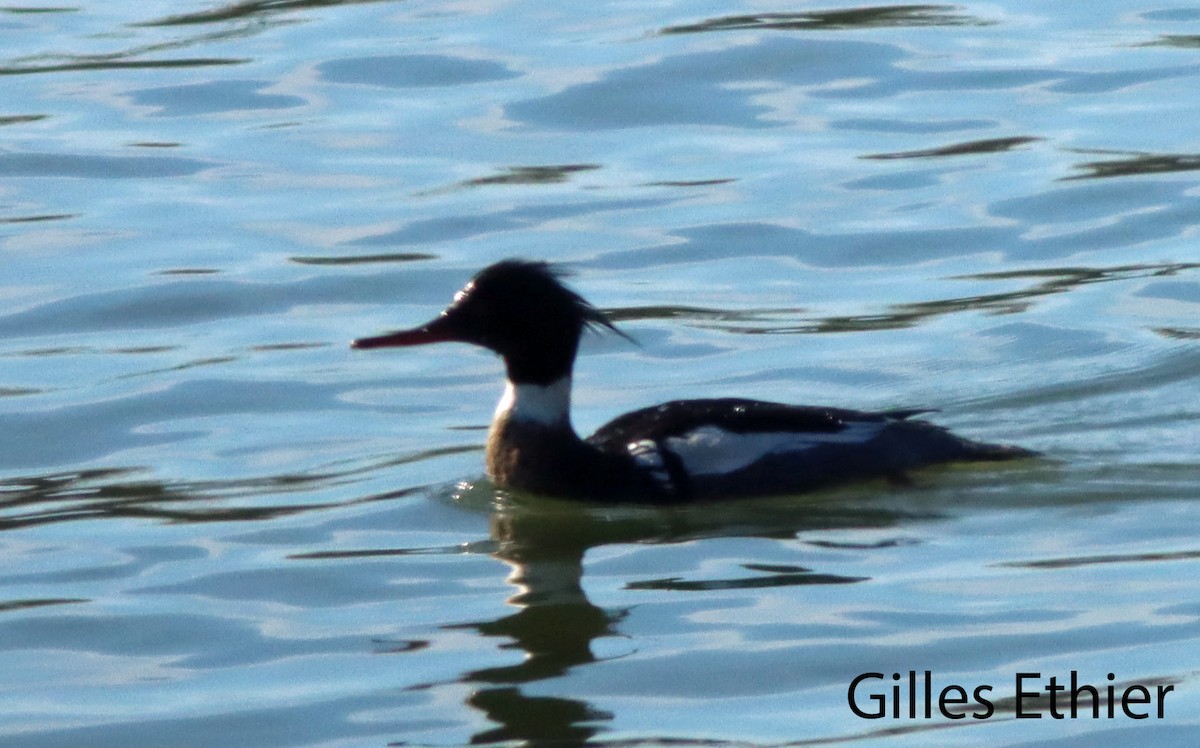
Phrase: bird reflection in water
(555, 623)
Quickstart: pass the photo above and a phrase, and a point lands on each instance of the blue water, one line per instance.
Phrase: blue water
(218, 523)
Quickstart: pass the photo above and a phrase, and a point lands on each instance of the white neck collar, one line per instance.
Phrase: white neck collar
(546, 405)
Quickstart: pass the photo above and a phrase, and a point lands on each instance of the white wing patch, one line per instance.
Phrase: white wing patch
(646, 453)
(711, 450)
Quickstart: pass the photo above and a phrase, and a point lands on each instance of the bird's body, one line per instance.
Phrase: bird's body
(680, 451)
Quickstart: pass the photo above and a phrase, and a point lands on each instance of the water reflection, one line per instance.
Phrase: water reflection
(1051, 281)
(253, 18)
(463, 227)
(22, 119)
(414, 71)
(363, 259)
(555, 623)
(1178, 333)
(530, 175)
(122, 492)
(1182, 41)
(776, 575)
(123, 59)
(1112, 558)
(11, 605)
(990, 145)
(40, 218)
(783, 320)
(851, 18)
(113, 493)
(1132, 164)
(115, 62)
(710, 87)
(707, 316)
(216, 97)
(31, 164)
(256, 9)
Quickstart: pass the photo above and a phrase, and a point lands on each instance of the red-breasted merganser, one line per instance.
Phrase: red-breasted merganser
(679, 451)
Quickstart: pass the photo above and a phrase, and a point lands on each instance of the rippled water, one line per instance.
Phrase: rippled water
(218, 523)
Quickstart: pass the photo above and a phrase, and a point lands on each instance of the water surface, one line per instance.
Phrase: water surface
(218, 522)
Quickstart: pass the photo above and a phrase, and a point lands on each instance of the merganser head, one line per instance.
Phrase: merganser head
(518, 309)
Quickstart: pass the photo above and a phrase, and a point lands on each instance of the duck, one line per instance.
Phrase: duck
(676, 452)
